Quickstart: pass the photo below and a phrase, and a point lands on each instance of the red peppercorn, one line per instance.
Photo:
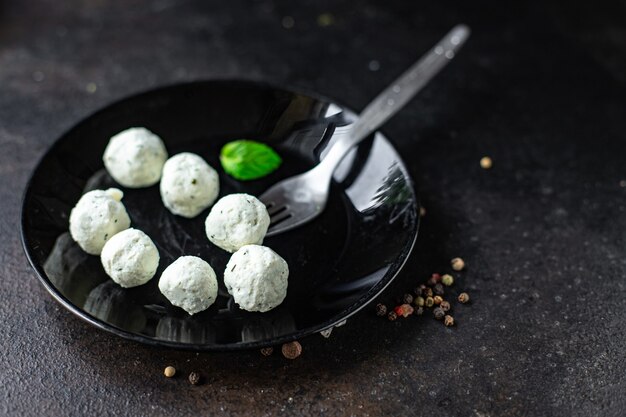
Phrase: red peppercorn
(434, 279)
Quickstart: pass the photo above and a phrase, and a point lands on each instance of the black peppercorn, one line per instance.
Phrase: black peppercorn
(445, 306)
(194, 378)
(392, 315)
(438, 289)
(267, 351)
(418, 311)
(407, 298)
(381, 310)
(439, 313)
(417, 291)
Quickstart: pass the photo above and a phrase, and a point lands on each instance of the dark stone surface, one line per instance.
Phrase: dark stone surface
(540, 89)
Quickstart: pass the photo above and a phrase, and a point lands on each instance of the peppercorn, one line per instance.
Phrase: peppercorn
(194, 378)
(486, 162)
(437, 299)
(403, 310)
(434, 279)
(422, 211)
(457, 264)
(448, 320)
(292, 350)
(428, 292)
(447, 280)
(407, 298)
(267, 351)
(445, 306)
(391, 316)
(438, 289)
(418, 311)
(381, 310)
(429, 302)
(419, 301)
(438, 313)
(417, 291)
(464, 298)
(169, 371)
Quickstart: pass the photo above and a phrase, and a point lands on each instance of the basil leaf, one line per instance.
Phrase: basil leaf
(248, 160)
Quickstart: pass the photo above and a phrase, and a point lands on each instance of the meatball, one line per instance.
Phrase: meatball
(98, 215)
(188, 185)
(189, 283)
(256, 277)
(135, 157)
(237, 220)
(130, 258)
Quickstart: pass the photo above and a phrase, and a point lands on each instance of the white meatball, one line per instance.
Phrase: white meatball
(135, 157)
(237, 220)
(96, 218)
(130, 258)
(256, 277)
(189, 283)
(188, 185)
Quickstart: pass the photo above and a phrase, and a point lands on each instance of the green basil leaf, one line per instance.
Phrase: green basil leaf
(248, 160)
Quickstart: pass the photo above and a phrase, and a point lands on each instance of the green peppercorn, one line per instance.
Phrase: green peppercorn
(448, 320)
(447, 280)
(429, 302)
(407, 298)
(391, 316)
(419, 301)
(438, 313)
(438, 289)
(445, 306)
(437, 299)
(381, 310)
(464, 298)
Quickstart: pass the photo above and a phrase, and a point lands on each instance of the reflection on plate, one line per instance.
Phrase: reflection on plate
(337, 263)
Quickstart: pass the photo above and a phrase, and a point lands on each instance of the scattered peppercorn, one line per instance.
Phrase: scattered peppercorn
(464, 298)
(448, 320)
(445, 306)
(381, 310)
(292, 350)
(419, 301)
(417, 291)
(457, 264)
(391, 316)
(438, 313)
(194, 378)
(437, 299)
(429, 302)
(438, 289)
(403, 310)
(486, 162)
(169, 371)
(407, 298)
(434, 279)
(267, 351)
(447, 280)
(418, 311)
(428, 292)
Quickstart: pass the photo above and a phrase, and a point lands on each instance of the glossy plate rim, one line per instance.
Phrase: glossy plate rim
(339, 319)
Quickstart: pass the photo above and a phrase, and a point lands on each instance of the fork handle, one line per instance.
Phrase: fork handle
(394, 97)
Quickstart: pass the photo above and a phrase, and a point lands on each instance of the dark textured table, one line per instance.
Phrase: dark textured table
(540, 89)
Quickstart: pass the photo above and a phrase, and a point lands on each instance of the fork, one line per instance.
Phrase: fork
(299, 199)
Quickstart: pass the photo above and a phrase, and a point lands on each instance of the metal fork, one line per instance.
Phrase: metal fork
(299, 199)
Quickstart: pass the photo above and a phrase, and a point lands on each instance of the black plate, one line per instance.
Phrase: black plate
(337, 263)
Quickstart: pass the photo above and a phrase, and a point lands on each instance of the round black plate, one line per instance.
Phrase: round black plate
(337, 263)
